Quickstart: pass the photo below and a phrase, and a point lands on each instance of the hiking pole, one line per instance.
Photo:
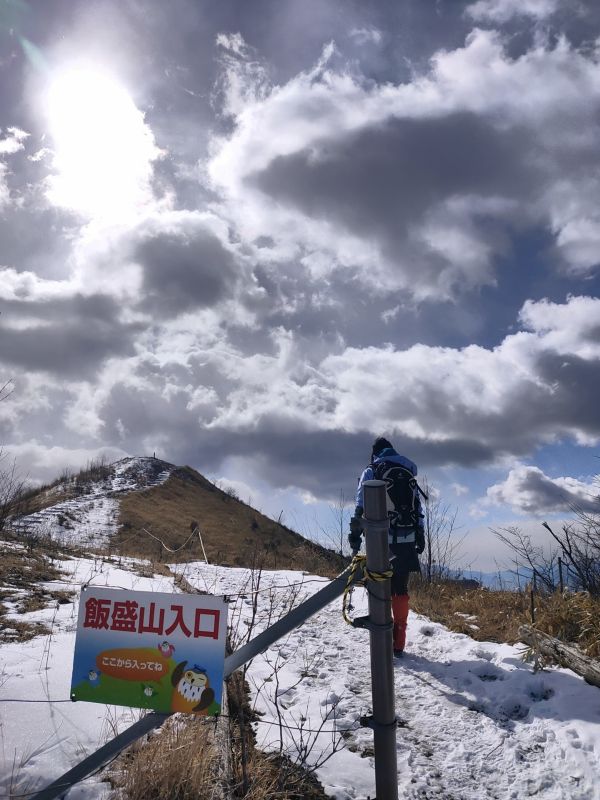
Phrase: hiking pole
(383, 721)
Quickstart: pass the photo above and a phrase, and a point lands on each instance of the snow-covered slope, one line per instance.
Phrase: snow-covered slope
(89, 517)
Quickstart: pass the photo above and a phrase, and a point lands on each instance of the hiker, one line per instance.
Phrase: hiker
(406, 534)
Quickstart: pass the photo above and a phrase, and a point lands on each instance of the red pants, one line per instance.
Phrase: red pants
(400, 614)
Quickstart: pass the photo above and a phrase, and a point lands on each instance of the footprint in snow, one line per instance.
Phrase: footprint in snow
(538, 690)
(427, 630)
(488, 672)
(331, 699)
(514, 707)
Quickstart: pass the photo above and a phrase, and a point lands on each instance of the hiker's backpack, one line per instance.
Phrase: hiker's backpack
(402, 494)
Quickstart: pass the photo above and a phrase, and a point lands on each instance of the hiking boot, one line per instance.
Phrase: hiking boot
(398, 653)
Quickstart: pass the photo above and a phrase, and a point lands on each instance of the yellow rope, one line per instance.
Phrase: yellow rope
(368, 575)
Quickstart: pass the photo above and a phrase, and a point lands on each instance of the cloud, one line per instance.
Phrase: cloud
(184, 270)
(301, 418)
(459, 489)
(243, 79)
(65, 336)
(46, 463)
(528, 490)
(417, 185)
(13, 142)
(333, 265)
(366, 35)
(502, 10)
(10, 143)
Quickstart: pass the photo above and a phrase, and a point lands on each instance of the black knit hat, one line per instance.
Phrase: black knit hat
(379, 445)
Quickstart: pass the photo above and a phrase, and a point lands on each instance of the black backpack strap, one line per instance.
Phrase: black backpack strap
(421, 492)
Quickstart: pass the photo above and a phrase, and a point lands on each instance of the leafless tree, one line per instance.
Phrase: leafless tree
(541, 564)
(579, 547)
(442, 546)
(11, 485)
(576, 543)
(337, 528)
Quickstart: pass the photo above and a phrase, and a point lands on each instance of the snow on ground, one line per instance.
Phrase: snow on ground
(91, 517)
(42, 733)
(476, 721)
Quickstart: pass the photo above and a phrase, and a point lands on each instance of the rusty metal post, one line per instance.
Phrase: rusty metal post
(383, 721)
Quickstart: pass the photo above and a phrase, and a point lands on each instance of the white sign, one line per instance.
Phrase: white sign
(152, 650)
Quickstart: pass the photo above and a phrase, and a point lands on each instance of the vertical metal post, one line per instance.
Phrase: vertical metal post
(382, 666)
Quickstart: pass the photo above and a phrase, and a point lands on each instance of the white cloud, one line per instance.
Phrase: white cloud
(241, 489)
(244, 78)
(503, 10)
(459, 489)
(527, 489)
(538, 110)
(10, 143)
(366, 35)
(40, 462)
(13, 142)
(536, 386)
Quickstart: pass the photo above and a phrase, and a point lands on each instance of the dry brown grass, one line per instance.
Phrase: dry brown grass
(491, 615)
(40, 497)
(179, 763)
(233, 532)
(182, 761)
(21, 573)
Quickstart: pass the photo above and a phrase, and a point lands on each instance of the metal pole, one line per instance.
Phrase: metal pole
(382, 665)
(152, 720)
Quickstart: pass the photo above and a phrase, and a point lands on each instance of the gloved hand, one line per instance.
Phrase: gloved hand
(355, 536)
(420, 540)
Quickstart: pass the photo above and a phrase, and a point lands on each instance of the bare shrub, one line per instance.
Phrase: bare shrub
(442, 547)
(542, 565)
(574, 546)
(336, 532)
(96, 470)
(12, 488)
(257, 775)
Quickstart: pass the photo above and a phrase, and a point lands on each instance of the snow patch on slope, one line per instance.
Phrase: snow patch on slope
(91, 516)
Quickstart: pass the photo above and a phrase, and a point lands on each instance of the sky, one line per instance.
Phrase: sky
(250, 237)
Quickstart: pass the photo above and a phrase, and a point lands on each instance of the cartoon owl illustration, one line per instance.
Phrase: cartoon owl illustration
(166, 649)
(192, 692)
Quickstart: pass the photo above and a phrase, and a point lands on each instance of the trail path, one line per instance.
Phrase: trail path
(476, 721)
(91, 517)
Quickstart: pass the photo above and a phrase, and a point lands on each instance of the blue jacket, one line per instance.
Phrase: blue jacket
(389, 455)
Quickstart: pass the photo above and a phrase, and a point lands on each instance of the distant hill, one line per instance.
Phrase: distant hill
(147, 507)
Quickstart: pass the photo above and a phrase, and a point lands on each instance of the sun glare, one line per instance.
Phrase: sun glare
(103, 149)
